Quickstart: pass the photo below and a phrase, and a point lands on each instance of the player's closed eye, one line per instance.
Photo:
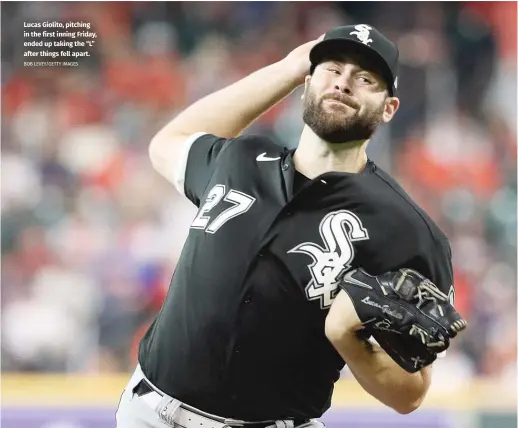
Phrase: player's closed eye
(334, 70)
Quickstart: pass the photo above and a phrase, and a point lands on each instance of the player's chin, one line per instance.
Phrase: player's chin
(337, 118)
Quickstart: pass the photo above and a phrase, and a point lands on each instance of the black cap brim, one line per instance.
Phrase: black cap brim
(328, 48)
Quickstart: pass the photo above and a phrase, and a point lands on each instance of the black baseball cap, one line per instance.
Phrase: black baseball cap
(361, 38)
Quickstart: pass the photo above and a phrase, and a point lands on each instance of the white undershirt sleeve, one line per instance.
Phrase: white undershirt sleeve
(177, 175)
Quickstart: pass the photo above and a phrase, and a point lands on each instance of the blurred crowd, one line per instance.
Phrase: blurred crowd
(91, 234)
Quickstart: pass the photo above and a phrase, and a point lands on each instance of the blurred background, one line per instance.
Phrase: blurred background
(91, 234)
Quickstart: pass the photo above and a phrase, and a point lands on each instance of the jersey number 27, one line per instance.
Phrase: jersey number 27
(240, 203)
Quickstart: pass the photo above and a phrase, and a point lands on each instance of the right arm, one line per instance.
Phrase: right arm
(227, 112)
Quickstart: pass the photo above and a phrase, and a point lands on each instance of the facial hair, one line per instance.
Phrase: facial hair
(335, 126)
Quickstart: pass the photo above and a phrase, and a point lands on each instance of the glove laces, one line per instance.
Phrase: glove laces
(427, 290)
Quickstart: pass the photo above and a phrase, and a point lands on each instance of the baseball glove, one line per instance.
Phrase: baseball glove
(409, 317)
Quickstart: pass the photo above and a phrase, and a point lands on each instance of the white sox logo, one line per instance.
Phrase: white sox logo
(362, 33)
(338, 230)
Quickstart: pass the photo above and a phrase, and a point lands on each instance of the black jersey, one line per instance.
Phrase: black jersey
(241, 332)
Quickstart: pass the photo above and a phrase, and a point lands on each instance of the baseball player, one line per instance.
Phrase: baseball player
(246, 336)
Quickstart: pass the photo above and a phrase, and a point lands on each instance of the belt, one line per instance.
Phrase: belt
(188, 416)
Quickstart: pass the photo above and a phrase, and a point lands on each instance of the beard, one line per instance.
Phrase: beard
(338, 126)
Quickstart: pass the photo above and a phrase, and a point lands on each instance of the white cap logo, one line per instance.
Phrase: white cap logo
(395, 83)
(362, 33)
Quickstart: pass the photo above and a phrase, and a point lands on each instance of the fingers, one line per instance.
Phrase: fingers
(312, 43)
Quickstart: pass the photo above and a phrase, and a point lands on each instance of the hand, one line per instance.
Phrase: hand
(297, 61)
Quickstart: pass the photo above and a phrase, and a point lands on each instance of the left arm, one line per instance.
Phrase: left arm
(372, 367)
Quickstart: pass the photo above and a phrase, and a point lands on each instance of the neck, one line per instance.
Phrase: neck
(315, 156)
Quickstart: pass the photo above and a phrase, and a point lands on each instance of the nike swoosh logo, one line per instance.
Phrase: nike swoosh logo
(349, 278)
(263, 158)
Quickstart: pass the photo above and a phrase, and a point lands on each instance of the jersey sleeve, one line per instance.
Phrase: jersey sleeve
(197, 164)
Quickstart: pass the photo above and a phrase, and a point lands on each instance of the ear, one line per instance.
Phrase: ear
(307, 81)
(391, 106)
